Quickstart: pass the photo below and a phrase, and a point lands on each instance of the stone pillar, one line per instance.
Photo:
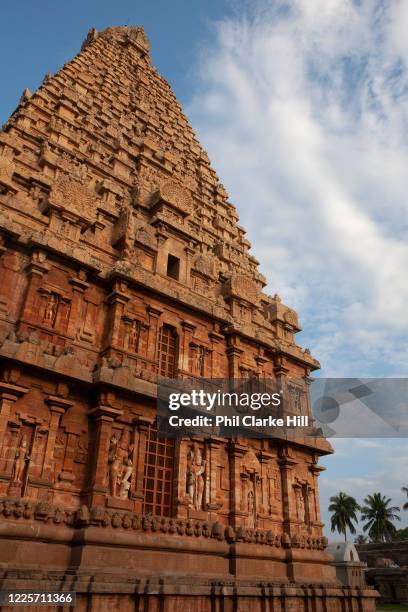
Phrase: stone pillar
(189, 251)
(58, 406)
(211, 488)
(117, 300)
(142, 425)
(185, 341)
(217, 341)
(281, 371)
(66, 477)
(9, 394)
(154, 314)
(288, 503)
(79, 286)
(103, 417)
(236, 453)
(316, 471)
(234, 354)
(35, 271)
(264, 459)
(180, 478)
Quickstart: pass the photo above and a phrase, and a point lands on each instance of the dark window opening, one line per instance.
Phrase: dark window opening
(173, 267)
(168, 350)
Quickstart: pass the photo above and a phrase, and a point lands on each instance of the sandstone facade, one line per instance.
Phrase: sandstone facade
(123, 260)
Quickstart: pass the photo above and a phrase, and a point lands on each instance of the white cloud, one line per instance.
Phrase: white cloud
(303, 107)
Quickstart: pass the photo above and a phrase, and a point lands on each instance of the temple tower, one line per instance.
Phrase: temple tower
(121, 260)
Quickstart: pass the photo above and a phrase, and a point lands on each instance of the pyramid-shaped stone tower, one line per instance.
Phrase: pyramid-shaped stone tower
(122, 260)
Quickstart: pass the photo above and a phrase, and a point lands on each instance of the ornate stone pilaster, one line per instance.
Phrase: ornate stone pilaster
(212, 446)
(117, 301)
(189, 251)
(185, 341)
(281, 372)
(35, 271)
(154, 315)
(58, 406)
(263, 507)
(217, 341)
(236, 453)
(103, 417)
(79, 286)
(142, 425)
(9, 394)
(234, 353)
(316, 470)
(180, 477)
(287, 464)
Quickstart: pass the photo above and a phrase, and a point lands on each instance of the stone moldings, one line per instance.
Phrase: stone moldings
(72, 197)
(174, 195)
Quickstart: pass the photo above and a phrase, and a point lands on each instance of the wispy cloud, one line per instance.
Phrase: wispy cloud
(303, 107)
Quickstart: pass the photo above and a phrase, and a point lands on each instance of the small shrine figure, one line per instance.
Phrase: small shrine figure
(196, 468)
(251, 509)
(50, 313)
(301, 507)
(134, 335)
(200, 360)
(21, 457)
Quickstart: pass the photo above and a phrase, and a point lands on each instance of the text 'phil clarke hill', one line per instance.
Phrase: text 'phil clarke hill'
(248, 420)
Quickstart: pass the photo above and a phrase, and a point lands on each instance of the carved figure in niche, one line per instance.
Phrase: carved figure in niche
(81, 450)
(21, 458)
(251, 509)
(197, 356)
(301, 507)
(134, 336)
(200, 360)
(244, 494)
(259, 493)
(50, 313)
(196, 468)
(120, 465)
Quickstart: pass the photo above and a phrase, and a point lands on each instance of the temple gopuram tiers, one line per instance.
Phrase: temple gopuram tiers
(121, 261)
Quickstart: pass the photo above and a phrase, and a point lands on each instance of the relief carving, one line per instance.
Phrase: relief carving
(21, 458)
(196, 470)
(51, 308)
(197, 359)
(175, 195)
(120, 465)
(73, 196)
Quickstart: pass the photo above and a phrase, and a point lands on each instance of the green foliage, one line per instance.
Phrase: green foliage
(379, 516)
(360, 539)
(405, 490)
(344, 510)
(401, 534)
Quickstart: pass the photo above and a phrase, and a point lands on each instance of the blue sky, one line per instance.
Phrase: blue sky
(303, 108)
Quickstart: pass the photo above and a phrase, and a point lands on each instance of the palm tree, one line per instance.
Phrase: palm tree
(360, 539)
(405, 490)
(379, 516)
(344, 509)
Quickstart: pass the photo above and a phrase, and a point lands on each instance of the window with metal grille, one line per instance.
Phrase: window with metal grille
(158, 474)
(168, 346)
